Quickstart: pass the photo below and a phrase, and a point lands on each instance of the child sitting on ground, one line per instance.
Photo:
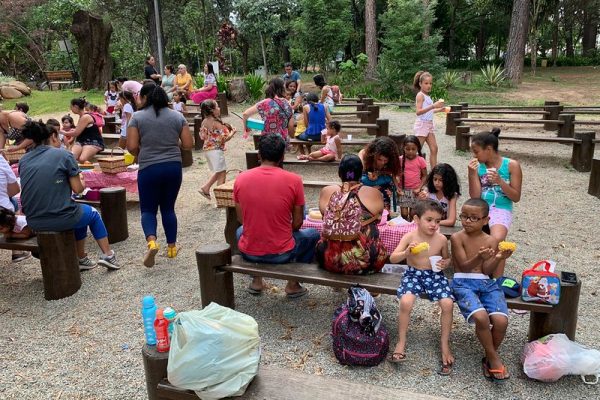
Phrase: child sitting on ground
(14, 226)
(333, 145)
(480, 299)
(417, 247)
(442, 186)
(215, 134)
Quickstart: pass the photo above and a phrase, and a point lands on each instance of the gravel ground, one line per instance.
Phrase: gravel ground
(88, 346)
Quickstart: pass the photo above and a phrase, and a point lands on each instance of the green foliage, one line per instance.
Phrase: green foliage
(198, 81)
(55, 101)
(449, 79)
(350, 73)
(438, 91)
(405, 51)
(222, 84)
(255, 84)
(6, 78)
(493, 75)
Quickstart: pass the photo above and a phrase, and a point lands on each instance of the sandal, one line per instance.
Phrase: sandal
(445, 369)
(204, 194)
(503, 372)
(149, 257)
(296, 295)
(485, 369)
(254, 292)
(397, 358)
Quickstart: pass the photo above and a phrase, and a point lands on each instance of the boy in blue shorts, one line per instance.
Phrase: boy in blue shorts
(416, 247)
(480, 299)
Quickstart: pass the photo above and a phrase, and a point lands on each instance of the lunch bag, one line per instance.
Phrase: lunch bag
(359, 337)
(342, 219)
(540, 286)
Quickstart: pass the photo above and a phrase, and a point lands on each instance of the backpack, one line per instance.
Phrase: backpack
(342, 219)
(337, 95)
(359, 337)
(98, 118)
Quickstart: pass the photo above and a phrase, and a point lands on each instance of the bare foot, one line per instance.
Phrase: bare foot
(447, 357)
(257, 284)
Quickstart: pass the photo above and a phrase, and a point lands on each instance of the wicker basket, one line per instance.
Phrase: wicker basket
(113, 164)
(14, 156)
(224, 193)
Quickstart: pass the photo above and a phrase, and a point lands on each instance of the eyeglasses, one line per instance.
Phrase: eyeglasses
(469, 218)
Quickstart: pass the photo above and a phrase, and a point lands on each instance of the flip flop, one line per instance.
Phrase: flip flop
(485, 369)
(397, 358)
(297, 295)
(445, 369)
(493, 373)
(253, 292)
(204, 194)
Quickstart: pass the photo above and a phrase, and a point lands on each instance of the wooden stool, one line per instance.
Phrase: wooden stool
(187, 158)
(60, 265)
(113, 206)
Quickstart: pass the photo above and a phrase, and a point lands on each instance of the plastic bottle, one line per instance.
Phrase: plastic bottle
(148, 316)
(161, 326)
(170, 314)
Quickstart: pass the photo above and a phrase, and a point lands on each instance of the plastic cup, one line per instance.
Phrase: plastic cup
(447, 109)
(349, 137)
(433, 260)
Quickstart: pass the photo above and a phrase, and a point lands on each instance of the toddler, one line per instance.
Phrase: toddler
(333, 145)
(111, 97)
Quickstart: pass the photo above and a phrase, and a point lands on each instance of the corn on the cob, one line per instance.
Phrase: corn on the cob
(420, 247)
(503, 246)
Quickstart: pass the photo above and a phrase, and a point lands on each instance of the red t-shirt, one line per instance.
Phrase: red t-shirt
(267, 196)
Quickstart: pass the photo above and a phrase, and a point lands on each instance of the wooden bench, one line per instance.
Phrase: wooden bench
(267, 385)
(193, 109)
(60, 78)
(113, 208)
(216, 268)
(58, 259)
(583, 145)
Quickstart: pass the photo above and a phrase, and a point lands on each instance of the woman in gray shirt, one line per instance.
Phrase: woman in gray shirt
(155, 135)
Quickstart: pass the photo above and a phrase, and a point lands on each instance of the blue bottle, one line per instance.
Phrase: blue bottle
(148, 316)
(169, 313)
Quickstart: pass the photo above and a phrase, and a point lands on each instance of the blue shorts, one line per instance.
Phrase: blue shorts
(433, 284)
(475, 292)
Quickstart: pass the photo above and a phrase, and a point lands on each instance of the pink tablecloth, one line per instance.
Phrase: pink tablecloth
(390, 235)
(98, 180)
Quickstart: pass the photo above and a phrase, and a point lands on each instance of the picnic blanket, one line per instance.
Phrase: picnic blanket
(390, 235)
(98, 180)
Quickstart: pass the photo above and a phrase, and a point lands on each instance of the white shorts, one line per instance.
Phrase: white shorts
(216, 160)
(500, 216)
(423, 128)
(124, 133)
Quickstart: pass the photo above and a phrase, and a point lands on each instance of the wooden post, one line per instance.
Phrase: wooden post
(361, 97)
(373, 114)
(364, 118)
(231, 226)
(463, 142)
(252, 160)
(451, 122)
(367, 101)
(60, 265)
(113, 206)
(155, 368)
(399, 140)
(464, 110)
(109, 124)
(562, 319)
(583, 152)
(198, 142)
(256, 139)
(554, 109)
(187, 158)
(222, 100)
(215, 286)
(594, 188)
(567, 129)
(383, 127)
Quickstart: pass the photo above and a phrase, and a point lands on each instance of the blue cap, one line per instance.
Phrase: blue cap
(169, 313)
(509, 286)
(148, 301)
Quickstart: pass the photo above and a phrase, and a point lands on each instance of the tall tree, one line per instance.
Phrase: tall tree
(371, 38)
(517, 36)
(591, 18)
(537, 10)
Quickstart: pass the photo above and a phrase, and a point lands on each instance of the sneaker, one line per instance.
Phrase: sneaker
(86, 263)
(150, 254)
(109, 262)
(16, 257)
(171, 252)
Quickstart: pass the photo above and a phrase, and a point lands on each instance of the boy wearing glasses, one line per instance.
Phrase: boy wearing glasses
(480, 299)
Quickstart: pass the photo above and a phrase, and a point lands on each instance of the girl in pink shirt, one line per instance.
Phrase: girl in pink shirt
(413, 173)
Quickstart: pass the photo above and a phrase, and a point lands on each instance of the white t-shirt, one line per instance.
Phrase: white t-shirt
(127, 109)
(7, 176)
(112, 98)
(178, 106)
(20, 223)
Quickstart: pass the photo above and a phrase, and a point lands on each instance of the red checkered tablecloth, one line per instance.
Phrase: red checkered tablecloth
(390, 235)
(98, 180)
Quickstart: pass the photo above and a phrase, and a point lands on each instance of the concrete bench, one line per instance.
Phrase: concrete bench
(216, 267)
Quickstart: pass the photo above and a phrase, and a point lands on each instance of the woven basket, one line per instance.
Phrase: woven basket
(112, 164)
(224, 193)
(14, 156)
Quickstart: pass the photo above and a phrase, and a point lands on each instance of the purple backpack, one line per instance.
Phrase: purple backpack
(359, 338)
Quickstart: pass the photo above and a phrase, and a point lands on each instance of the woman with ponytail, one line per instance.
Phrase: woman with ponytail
(156, 134)
(88, 139)
(315, 115)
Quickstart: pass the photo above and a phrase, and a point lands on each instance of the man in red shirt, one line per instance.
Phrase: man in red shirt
(269, 202)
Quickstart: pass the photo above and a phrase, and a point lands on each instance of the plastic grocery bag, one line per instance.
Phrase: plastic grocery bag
(550, 357)
(214, 352)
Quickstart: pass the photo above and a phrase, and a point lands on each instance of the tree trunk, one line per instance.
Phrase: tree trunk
(427, 25)
(152, 33)
(533, 44)
(93, 39)
(245, 48)
(590, 27)
(264, 54)
(555, 18)
(515, 48)
(481, 40)
(371, 38)
(452, 32)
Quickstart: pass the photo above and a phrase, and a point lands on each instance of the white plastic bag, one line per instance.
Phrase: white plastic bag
(549, 358)
(214, 352)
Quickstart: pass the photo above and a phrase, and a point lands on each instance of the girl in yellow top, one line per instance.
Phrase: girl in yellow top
(183, 81)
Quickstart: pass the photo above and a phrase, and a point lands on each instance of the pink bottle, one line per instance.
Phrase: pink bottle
(161, 327)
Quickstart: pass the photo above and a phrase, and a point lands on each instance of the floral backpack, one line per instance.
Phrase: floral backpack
(342, 219)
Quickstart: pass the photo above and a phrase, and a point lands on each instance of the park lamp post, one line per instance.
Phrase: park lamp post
(158, 36)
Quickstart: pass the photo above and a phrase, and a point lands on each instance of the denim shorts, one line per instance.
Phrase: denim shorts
(417, 281)
(92, 142)
(475, 292)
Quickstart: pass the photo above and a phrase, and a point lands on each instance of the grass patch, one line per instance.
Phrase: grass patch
(54, 101)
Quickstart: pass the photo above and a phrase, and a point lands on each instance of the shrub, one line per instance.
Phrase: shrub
(493, 75)
(351, 73)
(255, 84)
(198, 81)
(449, 79)
(222, 84)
